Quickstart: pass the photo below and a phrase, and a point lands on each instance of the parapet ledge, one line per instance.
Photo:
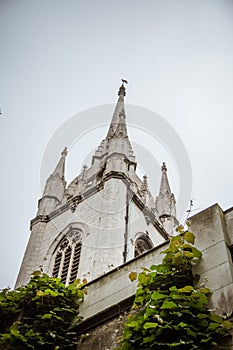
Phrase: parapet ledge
(114, 290)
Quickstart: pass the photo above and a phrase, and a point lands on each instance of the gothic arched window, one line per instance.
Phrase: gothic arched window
(67, 257)
(142, 244)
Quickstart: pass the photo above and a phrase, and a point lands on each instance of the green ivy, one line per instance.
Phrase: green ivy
(40, 315)
(168, 311)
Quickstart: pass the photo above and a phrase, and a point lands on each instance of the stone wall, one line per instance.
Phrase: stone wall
(111, 295)
(104, 337)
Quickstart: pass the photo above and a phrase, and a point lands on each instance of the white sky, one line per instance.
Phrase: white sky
(62, 57)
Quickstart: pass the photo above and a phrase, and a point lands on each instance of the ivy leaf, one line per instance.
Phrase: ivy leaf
(196, 253)
(216, 318)
(80, 294)
(189, 237)
(133, 276)
(186, 289)
(190, 332)
(143, 278)
(213, 326)
(150, 325)
(180, 228)
(57, 309)
(188, 254)
(51, 292)
(46, 316)
(39, 293)
(132, 324)
(148, 339)
(227, 324)
(77, 282)
(205, 290)
(168, 305)
(182, 324)
(157, 296)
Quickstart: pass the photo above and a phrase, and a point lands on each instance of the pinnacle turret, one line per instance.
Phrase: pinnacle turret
(164, 185)
(166, 203)
(60, 168)
(145, 189)
(54, 188)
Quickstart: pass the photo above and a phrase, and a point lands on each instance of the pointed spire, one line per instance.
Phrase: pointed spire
(120, 108)
(60, 168)
(166, 203)
(164, 185)
(116, 141)
(54, 188)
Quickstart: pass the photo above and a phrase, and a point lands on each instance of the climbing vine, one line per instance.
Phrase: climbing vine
(40, 315)
(168, 311)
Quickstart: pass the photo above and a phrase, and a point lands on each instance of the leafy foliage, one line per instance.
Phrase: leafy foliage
(40, 315)
(168, 312)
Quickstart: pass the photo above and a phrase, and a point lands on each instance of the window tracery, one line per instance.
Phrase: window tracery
(142, 244)
(67, 257)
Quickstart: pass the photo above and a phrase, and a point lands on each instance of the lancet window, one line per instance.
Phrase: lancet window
(142, 244)
(67, 257)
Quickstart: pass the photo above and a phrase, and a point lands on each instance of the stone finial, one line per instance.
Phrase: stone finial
(84, 172)
(64, 152)
(164, 167)
(121, 91)
(145, 186)
(145, 189)
(84, 169)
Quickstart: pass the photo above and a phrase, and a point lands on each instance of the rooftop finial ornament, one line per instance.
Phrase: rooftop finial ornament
(64, 152)
(122, 88)
(164, 167)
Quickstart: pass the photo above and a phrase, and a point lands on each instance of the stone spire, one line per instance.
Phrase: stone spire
(120, 108)
(117, 140)
(166, 203)
(54, 188)
(60, 168)
(164, 185)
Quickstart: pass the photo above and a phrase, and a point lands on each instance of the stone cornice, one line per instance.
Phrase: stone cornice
(73, 202)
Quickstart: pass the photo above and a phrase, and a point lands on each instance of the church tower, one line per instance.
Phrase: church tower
(105, 217)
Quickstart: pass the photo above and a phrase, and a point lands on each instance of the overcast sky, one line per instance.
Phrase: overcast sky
(59, 58)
